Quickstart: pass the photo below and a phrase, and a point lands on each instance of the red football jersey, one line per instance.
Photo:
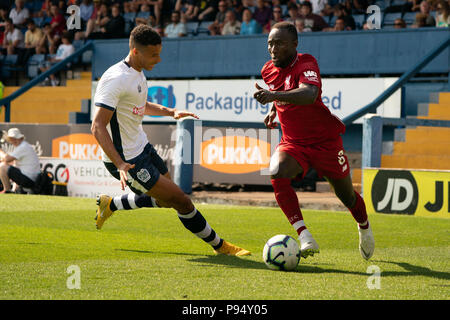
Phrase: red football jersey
(302, 124)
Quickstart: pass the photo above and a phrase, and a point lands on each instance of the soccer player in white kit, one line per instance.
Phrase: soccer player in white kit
(121, 103)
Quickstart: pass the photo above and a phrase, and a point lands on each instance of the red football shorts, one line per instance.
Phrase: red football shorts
(327, 158)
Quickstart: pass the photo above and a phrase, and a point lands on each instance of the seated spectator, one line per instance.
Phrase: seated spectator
(102, 16)
(58, 22)
(114, 28)
(277, 16)
(238, 8)
(399, 23)
(19, 14)
(48, 43)
(167, 7)
(421, 21)
(86, 12)
(443, 14)
(232, 26)
(262, 13)
(208, 9)
(249, 25)
(188, 8)
(177, 28)
(300, 25)
(318, 6)
(313, 21)
(339, 25)
(65, 49)
(13, 39)
(216, 27)
(26, 166)
(33, 37)
(293, 13)
(143, 14)
(342, 12)
(45, 9)
(425, 11)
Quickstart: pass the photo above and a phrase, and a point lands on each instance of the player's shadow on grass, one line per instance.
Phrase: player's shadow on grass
(413, 270)
(159, 252)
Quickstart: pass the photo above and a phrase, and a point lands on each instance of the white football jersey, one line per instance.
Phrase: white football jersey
(123, 90)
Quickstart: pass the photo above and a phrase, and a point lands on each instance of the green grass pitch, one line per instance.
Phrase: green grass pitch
(147, 254)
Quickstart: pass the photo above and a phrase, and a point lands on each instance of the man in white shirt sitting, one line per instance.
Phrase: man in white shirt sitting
(26, 168)
(176, 28)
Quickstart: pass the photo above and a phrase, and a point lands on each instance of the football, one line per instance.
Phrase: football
(281, 252)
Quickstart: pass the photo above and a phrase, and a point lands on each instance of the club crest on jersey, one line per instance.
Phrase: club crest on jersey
(287, 82)
(311, 75)
(139, 88)
(143, 175)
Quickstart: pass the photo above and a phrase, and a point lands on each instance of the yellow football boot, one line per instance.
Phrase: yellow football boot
(230, 249)
(103, 211)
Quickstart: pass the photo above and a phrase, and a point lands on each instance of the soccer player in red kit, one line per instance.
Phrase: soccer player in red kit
(311, 136)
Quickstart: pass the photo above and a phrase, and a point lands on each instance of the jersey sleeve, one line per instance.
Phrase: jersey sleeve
(19, 152)
(107, 93)
(309, 71)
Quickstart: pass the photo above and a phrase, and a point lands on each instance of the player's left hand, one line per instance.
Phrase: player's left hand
(263, 96)
(178, 114)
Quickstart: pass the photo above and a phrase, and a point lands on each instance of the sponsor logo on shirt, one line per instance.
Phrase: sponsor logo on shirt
(311, 76)
(139, 111)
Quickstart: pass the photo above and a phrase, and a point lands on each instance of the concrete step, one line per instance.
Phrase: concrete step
(428, 135)
(422, 148)
(415, 161)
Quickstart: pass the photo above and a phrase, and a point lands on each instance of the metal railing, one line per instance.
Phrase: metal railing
(6, 102)
(372, 107)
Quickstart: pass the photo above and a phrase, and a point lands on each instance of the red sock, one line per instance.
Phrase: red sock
(359, 211)
(288, 201)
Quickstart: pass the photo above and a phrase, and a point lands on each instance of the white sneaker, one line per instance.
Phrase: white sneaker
(366, 242)
(308, 246)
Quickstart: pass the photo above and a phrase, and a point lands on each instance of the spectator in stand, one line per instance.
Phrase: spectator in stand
(208, 9)
(232, 26)
(399, 23)
(26, 169)
(3, 16)
(318, 6)
(421, 21)
(58, 23)
(443, 14)
(341, 11)
(339, 25)
(86, 13)
(188, 8)
(143, 14)
(167, 7)
(238, 8)
(176, 29)
(313, 21)
(293, 12)
(65, 49)
(13, 39)
(48, 43)
(249, 25)
(425, 12)
(19, 14)
(277, 16)
(216, 27)
(113, 29)
(45, 9)
(262, 13)
(33, 37)
(300, 25)
(102, 16)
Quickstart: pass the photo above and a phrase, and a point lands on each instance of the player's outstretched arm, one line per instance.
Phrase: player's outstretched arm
(154, 109)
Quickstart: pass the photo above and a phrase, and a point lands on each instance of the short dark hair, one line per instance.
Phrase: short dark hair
(145, 35)
(308, 4)
(288, 26)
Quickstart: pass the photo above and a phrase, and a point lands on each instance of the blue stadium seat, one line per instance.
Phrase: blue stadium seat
(389, 18)
(86, 57)
(143, 14)
(398, 2)
(192, 28)
(332, 21)
(359, 20)
(410, 18)
(10, 67)
(284, 10)
(383, 4)
(33, 65)
(433, 14)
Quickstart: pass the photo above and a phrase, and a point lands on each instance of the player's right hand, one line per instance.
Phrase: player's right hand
(269, 120)
(123, 170)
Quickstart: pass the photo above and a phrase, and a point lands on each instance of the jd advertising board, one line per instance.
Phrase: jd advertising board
(414, 192)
